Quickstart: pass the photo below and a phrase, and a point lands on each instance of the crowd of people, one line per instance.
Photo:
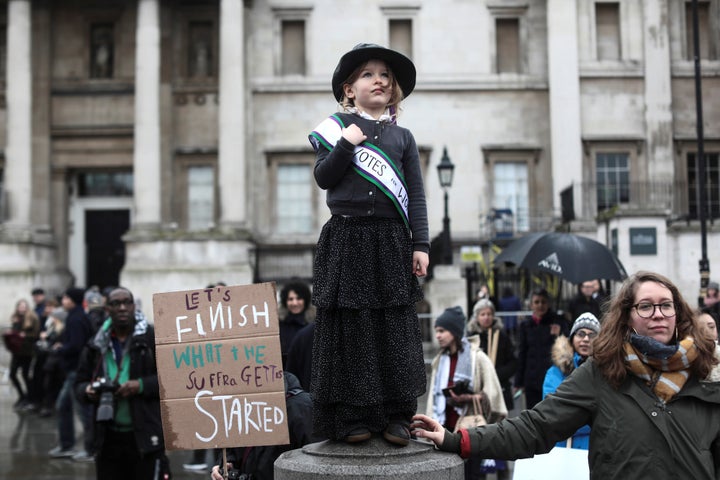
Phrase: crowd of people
(66, 345)
(45, 341)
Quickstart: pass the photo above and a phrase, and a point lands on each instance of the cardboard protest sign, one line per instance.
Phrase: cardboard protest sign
(220, 368)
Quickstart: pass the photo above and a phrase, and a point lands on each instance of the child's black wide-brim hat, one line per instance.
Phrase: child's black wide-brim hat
(402, 67)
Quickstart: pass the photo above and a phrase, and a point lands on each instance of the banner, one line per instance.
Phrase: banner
(220, 368)
(558, 464)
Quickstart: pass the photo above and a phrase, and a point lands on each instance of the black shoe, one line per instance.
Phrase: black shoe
(20, 404)
(45, 412)
(357, 434)
(397, 433)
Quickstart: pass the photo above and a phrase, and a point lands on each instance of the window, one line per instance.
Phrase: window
(612, 176)
(201, 60)
(703, 9)
(105, 184)
(507, 41)
(293, 47)
(102, 50)
(712, 186)
(201, 197)
(510, 183)
(401, 36)
(607, 27)
(294, 198)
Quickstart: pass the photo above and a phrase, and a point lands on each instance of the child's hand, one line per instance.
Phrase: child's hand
(420, 263)
(353, 134)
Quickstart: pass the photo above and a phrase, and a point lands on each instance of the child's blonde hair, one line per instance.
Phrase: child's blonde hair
(395, 99)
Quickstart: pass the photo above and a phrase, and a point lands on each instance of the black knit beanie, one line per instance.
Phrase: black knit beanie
(452, 320)
(77, 295)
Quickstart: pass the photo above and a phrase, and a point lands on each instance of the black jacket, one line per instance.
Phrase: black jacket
(581, 304)
(505, 360)
(145, 407)
(350, 194)
(73, 338)
(259, 461)
(534, 345)
(290, 326)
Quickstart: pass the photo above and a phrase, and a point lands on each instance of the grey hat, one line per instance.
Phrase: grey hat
(402, 67)
(94, 299)
(714, 285)
(452, 320)
(585, 320)
(59, 314)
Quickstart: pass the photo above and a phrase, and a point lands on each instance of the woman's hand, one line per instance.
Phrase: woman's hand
(463, 398)
(420, 263)
(426, 427)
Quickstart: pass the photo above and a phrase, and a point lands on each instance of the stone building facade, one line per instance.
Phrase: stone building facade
(163, 144)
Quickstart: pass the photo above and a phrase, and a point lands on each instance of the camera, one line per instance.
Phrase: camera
(234, 474)
(106, 389)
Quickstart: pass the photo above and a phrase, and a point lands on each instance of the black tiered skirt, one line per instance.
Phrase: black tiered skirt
(368, 365)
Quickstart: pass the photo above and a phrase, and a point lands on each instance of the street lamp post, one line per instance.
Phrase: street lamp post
(704, 263)
(445, 173)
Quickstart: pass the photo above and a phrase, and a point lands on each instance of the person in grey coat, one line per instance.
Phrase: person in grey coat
(651, 395)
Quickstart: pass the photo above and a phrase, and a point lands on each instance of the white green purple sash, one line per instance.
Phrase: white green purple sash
(370, 162)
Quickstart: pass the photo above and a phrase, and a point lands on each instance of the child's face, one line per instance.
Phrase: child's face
(372, 90)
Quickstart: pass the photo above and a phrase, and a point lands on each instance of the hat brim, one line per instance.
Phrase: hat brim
(402, 68)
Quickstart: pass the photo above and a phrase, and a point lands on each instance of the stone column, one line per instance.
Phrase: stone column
(564, 86)
(146, 158)
(18, 153)
(658, 92)
(231, 151)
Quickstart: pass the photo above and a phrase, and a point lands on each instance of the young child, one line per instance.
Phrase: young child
(368, 368)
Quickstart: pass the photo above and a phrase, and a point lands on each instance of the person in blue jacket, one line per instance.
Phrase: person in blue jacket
(567, 355)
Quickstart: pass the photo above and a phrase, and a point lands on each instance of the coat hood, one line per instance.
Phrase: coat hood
(473, 327)
(714, 375)
(562, 355)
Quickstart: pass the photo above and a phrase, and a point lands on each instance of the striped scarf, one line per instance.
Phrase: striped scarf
(667, 376)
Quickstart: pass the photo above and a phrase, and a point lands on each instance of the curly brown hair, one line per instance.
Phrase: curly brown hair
(608, 350)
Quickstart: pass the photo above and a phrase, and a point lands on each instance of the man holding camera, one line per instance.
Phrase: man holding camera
(118, 375)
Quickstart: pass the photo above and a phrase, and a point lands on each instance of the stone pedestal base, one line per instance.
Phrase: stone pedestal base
(374, 459)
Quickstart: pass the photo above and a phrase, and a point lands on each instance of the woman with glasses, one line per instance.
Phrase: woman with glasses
(567, 355)
(650, 393)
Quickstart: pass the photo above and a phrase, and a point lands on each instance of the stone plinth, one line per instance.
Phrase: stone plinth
(374, 459)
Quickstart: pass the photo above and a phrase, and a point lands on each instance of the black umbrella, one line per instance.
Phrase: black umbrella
(570, 257)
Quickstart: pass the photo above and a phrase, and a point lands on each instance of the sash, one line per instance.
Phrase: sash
(370, 162)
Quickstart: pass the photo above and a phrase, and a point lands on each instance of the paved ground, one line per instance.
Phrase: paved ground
(26, 438)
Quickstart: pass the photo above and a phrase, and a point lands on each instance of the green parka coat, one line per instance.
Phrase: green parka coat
(633, 434)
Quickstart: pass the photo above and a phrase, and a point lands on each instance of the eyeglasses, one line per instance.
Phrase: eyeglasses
(647, 309)
(582, 334)
(116, 303)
